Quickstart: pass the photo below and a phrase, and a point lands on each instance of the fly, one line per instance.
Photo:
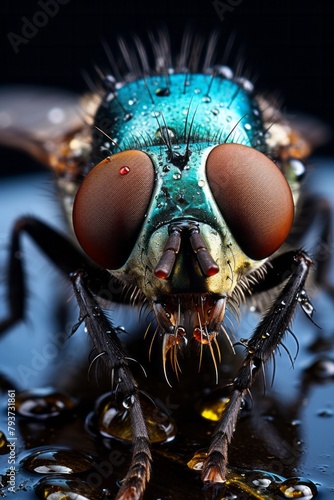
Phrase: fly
(182, 186)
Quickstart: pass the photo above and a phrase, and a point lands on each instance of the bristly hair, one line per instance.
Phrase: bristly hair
(134, 59)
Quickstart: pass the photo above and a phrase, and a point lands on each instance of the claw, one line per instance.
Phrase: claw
(214, 470)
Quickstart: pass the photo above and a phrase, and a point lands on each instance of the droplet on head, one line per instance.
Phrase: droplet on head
(124, 170)
(245, 84)
(225, 72)
(162, 92)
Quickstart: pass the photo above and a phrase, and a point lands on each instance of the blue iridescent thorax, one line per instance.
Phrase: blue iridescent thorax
(221, 110)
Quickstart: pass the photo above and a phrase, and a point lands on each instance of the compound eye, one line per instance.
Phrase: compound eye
(110, 207)
(253, 196)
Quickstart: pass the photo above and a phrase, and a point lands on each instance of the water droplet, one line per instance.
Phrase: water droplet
(42, 404)
(197, 461)
(325, 412)
(128, 402)
(206, 99)
(155, 114)
(166, 133)
(201, 183)
(262, 481)
(245, 84)
(197, 91)
(225, 72)
(248, 126)
(113, 420)
(97, 312)
(296, 487)
(57, 461)
(215, 111)
(124, 170)
(166, 168)
(298, 168)
(163, 92)
(177, 177)
(323, 369)
(213, 404)
(66, 489)
(228, 118)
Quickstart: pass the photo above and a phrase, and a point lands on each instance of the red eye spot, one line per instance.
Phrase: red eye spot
(110, 206)
(253, 196)
(124, 170)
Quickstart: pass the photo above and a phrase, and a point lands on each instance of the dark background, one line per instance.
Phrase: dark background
(289, 44)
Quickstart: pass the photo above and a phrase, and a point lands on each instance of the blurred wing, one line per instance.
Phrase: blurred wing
(43, 122)
(315, 131)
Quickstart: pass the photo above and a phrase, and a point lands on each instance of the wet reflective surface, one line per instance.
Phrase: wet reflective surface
(72, 442)
(57, 461)
(43, 404)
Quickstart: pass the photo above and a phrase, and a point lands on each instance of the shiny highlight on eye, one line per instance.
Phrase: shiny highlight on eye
(110, 207)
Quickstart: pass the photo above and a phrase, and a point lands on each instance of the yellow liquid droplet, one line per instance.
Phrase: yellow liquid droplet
(197, 461)
(115, 422)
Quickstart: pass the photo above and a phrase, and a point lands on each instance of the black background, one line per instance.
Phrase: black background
(289, 44)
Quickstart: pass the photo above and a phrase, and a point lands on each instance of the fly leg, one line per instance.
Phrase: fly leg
(260, 347)
(108, 345)
(61, 251)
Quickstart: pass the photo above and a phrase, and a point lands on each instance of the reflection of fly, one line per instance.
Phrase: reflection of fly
(192, 206)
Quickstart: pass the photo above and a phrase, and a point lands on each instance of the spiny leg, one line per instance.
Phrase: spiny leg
(62, 252)
(106, 341)
(260, 347)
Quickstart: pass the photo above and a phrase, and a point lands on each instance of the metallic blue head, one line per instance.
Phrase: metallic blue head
(201, 141)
